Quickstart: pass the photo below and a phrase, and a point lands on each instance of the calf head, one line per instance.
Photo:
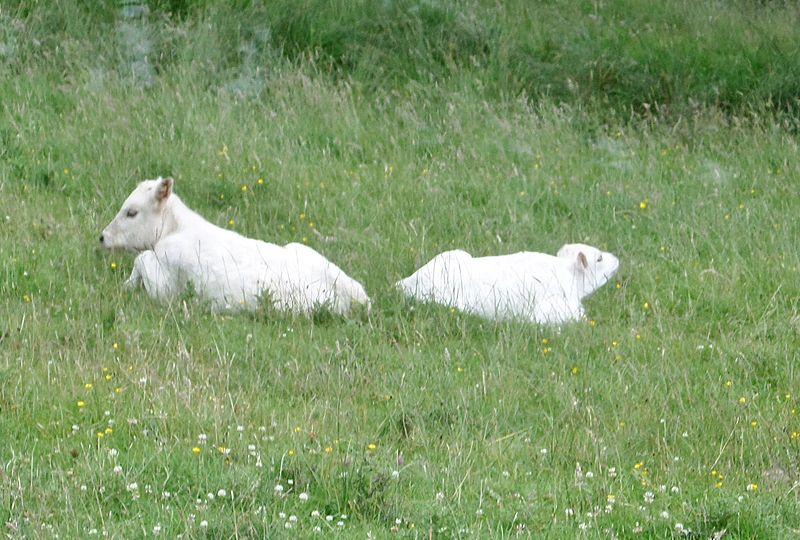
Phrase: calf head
(592, 268)
(140, 222)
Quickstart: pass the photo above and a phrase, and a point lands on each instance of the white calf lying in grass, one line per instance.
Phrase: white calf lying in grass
(178, 247)
(530, 286)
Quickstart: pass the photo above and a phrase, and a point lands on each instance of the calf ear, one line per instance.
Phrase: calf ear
(583, 262)
(164, 189)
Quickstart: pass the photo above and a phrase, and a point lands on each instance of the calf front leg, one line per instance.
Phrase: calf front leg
(155, 276)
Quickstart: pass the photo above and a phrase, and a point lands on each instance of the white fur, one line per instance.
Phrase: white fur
(178, 247)
(530, 286)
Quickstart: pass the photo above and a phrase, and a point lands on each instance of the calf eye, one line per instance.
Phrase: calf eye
(599, 258)
(131, 213)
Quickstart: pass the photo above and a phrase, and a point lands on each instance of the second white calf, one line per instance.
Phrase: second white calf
(534, 287)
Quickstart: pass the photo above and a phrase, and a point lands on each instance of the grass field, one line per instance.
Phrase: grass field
(665, 133)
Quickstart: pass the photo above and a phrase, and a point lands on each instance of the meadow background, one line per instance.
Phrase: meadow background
(382, 133)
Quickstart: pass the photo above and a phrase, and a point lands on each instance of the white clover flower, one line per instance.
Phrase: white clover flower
(665, 514)
(157, 529)
(649, 497)
(675, 489)
(315, 514)
(317, 529)
(287, 525)
(133, 486)
(543, 451)
(303, 496)
(222, 493)
(589, 475)
(117, 469)
(293, 518)
(113, 452)
(278, 489)
(240, 429)
(612, 472)
(203, 524)
(202, 438)
(395, 475)
(329, 518)
(282, 515)
(340, 523)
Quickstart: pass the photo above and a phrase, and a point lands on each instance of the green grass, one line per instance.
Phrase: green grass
(412, 421)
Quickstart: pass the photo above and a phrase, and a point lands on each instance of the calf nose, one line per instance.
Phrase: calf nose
(101, 238)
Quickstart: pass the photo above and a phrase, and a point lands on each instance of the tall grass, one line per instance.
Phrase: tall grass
(672, 408)
(643, 57)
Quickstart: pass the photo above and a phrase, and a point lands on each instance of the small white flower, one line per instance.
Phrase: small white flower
(75, 428)
(506, 474)
(398, 521)
(240, 429)
(202, 438)
(649, 497)
(675, 489)
(287, 525)
(479, 512)
(665, 514)
(203, 524)
(222, 493)
(278, 489)
(569, 512)
(293, 518)
(543, 451)
(133, 486)
(329, 518)
(290, 482)
(612, 472)
(282, 515)
(92, 532)
(679, 527)
(440, 496)
(166, 494)
(589, 475)
(315, 514)
(340, 523)
(583, 526)
(395, 475)
(210, 496)
(83, 487)
(157, 529)
(117, 469)
(317, 529)
(113, 452)
(303, 496)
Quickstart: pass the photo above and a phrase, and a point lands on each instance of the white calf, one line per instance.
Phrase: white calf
(178, 247)
(535, 287)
